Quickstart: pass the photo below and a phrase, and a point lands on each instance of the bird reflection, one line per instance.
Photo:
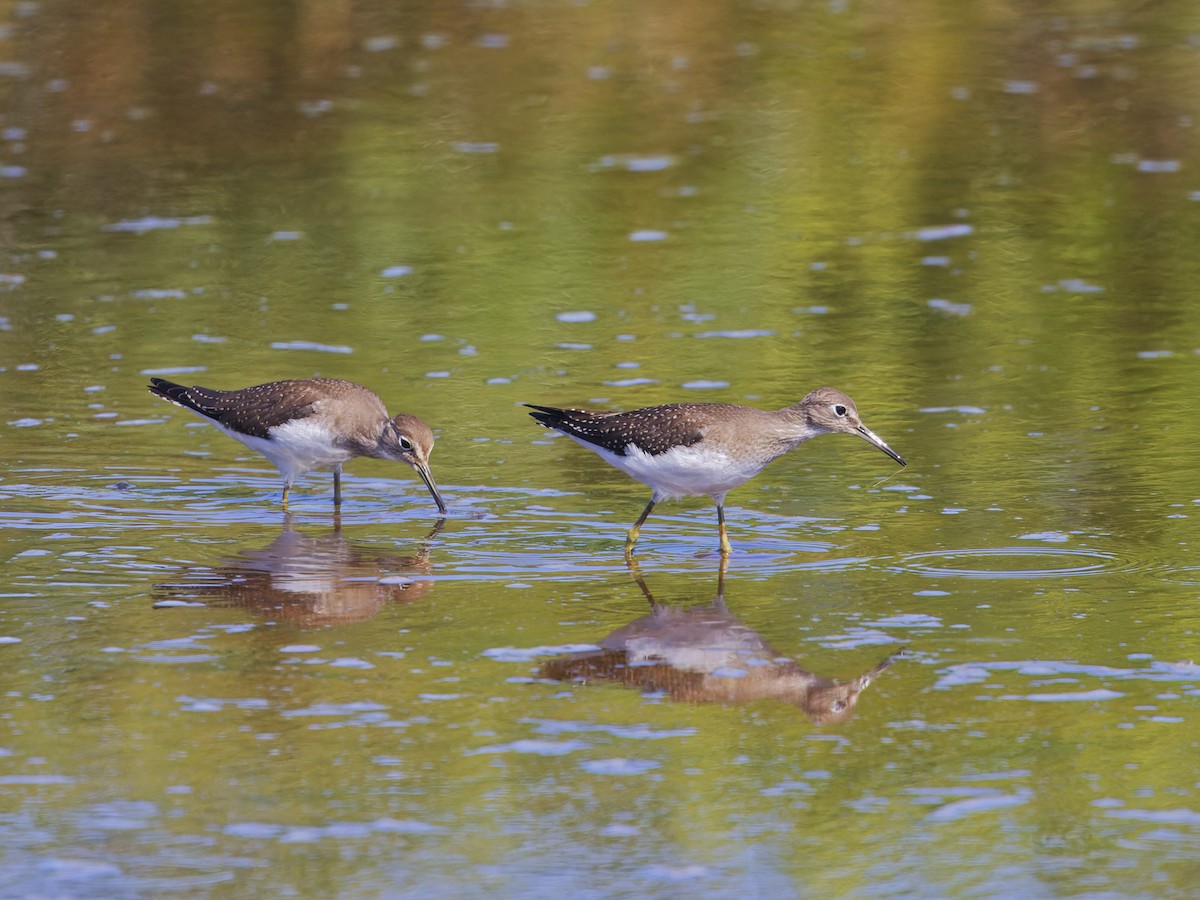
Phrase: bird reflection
(705, 654)
(310, 579)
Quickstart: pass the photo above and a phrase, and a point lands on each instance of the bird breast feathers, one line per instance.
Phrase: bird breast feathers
(685, 471)
(301, 445)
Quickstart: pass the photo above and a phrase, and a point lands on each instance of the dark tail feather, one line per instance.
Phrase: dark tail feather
(176, 393)
(549, 416)
(168, 390)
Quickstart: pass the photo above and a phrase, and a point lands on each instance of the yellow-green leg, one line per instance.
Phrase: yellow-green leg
(725, 548)
(286, 487)
(637, 527)
(636, 571)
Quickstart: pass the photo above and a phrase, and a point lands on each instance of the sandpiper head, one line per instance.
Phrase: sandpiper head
(829, 410)
(409, 440)
(834, 702)
(831, 703)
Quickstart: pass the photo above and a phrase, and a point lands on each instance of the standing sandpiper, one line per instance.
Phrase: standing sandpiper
(689, 449)
(311, 423)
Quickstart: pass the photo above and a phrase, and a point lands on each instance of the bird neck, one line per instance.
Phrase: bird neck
(364, 437)
(795, 425)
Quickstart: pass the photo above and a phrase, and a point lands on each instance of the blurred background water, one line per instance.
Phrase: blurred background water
(978, 219)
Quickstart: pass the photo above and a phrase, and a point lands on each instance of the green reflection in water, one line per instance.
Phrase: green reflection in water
(977, 220)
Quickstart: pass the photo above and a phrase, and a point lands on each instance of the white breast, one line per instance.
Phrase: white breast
(682, 471)
(296, 448)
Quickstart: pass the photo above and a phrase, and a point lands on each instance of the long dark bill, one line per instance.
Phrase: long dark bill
(427, 477)
(872, 438)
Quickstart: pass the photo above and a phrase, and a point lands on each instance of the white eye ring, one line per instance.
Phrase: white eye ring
(839, 410)
(405, 443)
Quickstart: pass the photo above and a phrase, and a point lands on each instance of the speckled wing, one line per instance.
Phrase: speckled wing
(252, 411)
(653, 430)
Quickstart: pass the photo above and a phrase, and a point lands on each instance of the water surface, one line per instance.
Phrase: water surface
(978, 221)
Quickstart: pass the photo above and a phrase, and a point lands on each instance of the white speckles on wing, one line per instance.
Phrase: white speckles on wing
(654, 429)
(256, 410)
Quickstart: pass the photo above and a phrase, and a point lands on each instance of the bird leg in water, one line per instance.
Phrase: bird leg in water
(637, 527)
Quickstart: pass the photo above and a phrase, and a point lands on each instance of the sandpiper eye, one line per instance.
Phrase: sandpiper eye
(405, 443)
(839, 409)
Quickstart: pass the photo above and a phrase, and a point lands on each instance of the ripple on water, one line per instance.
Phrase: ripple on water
(618, 766)
(146, 498)
(534, 747)
(1185, 575)
(981, 675)
(1011, 562)
(292, 834)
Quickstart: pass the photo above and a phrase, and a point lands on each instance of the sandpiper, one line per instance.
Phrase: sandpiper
(311, 423)
(689, 449)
